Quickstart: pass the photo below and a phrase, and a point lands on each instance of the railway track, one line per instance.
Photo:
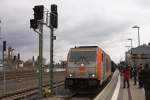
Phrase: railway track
(76, 96)
(66, 96)
(18, 74)
(28, 92)
(82, 96)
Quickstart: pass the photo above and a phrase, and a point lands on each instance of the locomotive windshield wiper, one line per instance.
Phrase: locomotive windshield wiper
(85, 59)
(77, 59)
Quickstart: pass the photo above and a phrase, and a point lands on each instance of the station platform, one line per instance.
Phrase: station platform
(115, 91)
(132, 93)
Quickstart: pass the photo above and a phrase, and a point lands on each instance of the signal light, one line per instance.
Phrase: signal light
(33, 24)
(53, 20)
(18, 56)
(38, 12)
(54, 16)
(53, 8)
(4, 45)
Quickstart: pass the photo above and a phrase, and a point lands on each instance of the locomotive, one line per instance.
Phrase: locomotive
(88, 67)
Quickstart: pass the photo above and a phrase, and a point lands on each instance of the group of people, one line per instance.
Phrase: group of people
(141, 74)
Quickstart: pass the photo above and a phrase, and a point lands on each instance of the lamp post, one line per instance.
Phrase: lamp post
(127, 55)
(1, 51)
(138, 33)
(131, 44)
(128, 47)
(4, 73)
(0, 30)
(131, 52)
(3, 61)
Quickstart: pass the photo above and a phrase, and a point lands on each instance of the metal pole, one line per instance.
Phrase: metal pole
(0, 31)
(138, 35)
(33, 62)
(3, 60)
(4, 73)
(131, 43)
(131, 53)
(131, 46)
(51, 60)
(40, 60)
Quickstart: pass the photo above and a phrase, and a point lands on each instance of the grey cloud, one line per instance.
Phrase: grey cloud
(143, 3)
(86, 23)
(94, 29)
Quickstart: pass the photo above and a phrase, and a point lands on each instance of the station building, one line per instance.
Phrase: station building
(138, 55)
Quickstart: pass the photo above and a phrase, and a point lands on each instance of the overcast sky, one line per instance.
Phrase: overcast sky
(105, 23)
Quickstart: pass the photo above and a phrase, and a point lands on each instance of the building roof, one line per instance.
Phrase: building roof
(142, 49)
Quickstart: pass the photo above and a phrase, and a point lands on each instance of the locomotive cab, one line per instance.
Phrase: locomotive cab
(84, 68)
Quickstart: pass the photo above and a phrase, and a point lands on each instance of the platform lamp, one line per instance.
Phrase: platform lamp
(131, 44)
(138, 33)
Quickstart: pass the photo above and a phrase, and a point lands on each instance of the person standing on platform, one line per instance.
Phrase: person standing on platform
(146, 81)
(126, 75)
(131, 72)
(140, 76)
(134, 74)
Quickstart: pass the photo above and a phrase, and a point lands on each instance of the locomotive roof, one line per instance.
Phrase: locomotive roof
(86, 47)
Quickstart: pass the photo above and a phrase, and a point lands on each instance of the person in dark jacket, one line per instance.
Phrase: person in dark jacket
(131, 72)
(126, 75)
(140, 76)
(134, 74)
(146, 81)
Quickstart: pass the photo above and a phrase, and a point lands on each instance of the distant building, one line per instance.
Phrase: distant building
(138, 55)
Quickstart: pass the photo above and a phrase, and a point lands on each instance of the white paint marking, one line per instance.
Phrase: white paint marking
(116, 92)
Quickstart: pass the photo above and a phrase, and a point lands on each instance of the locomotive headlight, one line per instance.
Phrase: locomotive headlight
(82, 65)
(70, 75)
(93, 75)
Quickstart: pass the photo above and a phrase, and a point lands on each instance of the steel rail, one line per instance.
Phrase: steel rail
(20, 75)
(24, 93)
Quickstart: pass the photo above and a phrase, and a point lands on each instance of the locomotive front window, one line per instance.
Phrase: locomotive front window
(82, 56)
